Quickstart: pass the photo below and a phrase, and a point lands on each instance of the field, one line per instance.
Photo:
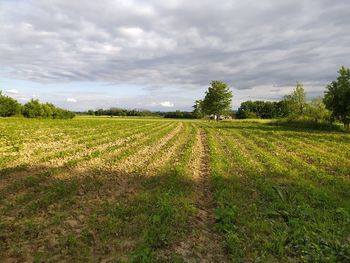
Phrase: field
(156, 190)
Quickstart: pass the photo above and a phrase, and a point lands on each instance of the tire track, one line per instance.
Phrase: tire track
(203, 244)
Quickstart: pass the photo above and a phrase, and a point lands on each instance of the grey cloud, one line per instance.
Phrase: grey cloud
(183, 44)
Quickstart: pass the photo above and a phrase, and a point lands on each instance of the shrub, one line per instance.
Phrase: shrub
(33, 109)
(8, 106)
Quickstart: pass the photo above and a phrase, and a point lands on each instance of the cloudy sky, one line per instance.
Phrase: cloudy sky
(161, 55)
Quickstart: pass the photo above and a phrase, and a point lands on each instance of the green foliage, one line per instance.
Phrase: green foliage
(316, 110)
(99, 189)
(295, 102)
(262, 109)
(121, 112)
(337, 97)
(217, 99)
(180, 115)
(307, 124)
(34, 109)
(198, 109)
(280, 194)
(9, 106)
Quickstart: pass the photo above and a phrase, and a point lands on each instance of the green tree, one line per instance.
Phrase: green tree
(317, 110)
(217, 99)
(48, 110)
(262, 109)
(295, 102)
(33, 109)
(337, 97)
(247, 110)
(8, 106)
(281, 109)
(198, 109)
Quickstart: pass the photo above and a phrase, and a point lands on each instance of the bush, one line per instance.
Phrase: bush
(316, 110)
(262, 109)
(34, 109)
(180, 115)
(304, 123)
(9, 106)
(121, 112)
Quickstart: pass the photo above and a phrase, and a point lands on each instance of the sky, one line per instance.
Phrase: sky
(162, 55)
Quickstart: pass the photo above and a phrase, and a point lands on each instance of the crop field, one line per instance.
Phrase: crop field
(157, 190)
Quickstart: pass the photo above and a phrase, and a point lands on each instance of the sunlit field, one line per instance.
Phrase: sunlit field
(156, 190)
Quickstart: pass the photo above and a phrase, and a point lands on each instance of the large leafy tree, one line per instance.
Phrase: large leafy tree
(295, 102)
(217, 99)
(337, 97)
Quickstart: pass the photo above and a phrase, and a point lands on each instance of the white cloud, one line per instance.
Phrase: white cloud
(170, 44)
(131, 31)
(12, 91)
(72, 100)
(167, 104)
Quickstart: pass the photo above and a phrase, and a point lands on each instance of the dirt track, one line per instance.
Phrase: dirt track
(204, 244)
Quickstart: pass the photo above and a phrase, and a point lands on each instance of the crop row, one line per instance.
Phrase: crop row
(278, 199)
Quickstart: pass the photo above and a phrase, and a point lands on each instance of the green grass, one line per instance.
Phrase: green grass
(278, 199)
(119, 189)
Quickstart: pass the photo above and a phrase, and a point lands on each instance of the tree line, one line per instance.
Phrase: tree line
(262, 109)
(140, 113)
(334, 106)
(32, 109)
(121, 112)
(179, 115)
(293, 106)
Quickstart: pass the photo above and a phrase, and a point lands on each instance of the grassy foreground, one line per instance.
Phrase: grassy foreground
(155, 190)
